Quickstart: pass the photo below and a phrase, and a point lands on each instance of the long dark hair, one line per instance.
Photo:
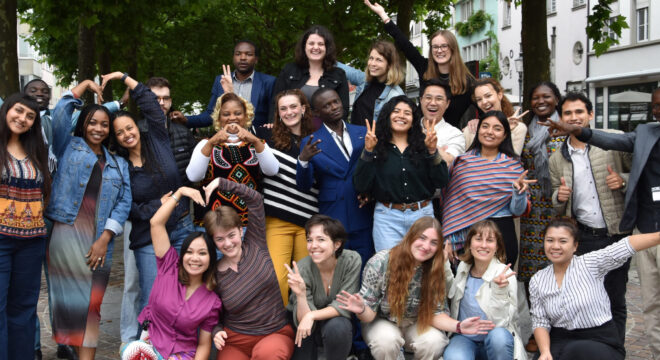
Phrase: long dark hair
(149, 162)
(208, 277)
(85, 117)
(32, 140)
(330, 59)
(506, 147)
(384, 130)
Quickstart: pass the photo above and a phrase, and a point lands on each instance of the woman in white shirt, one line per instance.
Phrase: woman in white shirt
(570, 310)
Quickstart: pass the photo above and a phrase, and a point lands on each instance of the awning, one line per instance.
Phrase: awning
(632, 74)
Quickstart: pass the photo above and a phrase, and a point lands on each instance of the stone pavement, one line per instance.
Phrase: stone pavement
(637, 345)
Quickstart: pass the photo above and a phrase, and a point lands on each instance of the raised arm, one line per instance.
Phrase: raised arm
(355, 76)
(159, 236)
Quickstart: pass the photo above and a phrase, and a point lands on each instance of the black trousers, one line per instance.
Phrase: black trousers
(615, 280)
(508, 230)
(594, 343)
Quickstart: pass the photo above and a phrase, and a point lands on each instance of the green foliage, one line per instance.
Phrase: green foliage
(475, 23)
(491, 63)
(598, 24)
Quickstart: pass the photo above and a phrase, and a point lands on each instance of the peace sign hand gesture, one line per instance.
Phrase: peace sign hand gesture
(225, 80)
(502, 280)
(370, 139)
(515, 118)
(431, 139)
(296, 282)
(310, 149)
(521, 184)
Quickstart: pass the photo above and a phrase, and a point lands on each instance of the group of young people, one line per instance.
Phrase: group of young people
(292, 229)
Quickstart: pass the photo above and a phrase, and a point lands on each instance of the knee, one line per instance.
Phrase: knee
(337, 329)
(385, 342)
(456, 351)
(499, 338)
(430, 344)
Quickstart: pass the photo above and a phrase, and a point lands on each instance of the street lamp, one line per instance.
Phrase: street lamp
(519, 68)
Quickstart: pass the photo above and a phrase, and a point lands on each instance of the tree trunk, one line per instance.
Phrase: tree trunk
(403, 18)
(105, 67)
(536, 55)
(86, 57)
(8, 56)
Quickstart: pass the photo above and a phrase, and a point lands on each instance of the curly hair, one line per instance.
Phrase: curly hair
(281, 133)
(401, 268)
(248, 109)
(551, 86)
(505, 104)
(384, 130)
(330, 59)
(459, 75)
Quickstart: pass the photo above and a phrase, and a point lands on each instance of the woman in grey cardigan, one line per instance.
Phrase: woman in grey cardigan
(315, 281)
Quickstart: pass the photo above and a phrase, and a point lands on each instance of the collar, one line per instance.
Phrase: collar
(332, 132)
(234, 78)
(572, 150)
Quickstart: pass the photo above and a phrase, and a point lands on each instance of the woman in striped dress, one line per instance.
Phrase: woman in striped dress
(287, 207)
(487, 182)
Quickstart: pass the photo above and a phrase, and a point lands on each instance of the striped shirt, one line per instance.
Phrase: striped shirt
(581, 302)
(251, 299)
(282, 198)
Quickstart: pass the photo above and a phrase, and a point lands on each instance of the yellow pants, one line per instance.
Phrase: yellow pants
(286, 242)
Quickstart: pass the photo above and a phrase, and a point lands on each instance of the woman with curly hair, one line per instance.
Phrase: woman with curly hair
(315, 67)
(287, 207)
(233, 153)
(402, 302)
(401, 169)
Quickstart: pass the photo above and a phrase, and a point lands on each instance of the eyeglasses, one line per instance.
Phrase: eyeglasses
(164, 99)
(443, 47)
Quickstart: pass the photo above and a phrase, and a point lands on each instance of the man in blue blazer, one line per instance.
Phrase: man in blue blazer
(252, 85)
(642, 204)
(328, 157)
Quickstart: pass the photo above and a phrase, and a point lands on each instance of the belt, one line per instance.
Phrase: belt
(186, 213)
(592, 231)
(403, 207)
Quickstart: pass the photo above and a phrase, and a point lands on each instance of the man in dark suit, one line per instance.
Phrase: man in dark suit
(251, 85)
(328, 157)
(642, 203)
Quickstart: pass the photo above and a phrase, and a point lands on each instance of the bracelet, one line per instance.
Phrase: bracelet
(174, 197)
(123, 78)
(458, 328)
(364, 308)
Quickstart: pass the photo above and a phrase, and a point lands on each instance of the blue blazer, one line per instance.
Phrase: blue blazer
(334, 178)
(262, 89)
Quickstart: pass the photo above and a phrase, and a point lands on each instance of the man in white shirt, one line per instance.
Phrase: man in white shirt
(434, 101)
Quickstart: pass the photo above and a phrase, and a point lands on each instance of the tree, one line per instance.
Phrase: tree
(8, 54)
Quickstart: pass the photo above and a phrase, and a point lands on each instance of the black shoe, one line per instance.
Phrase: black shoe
(66, 352)
(37, 354)
(364, 354)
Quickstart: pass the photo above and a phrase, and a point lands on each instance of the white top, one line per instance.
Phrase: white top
(450, 136)
(586, 204)
(581, 302)
(347, 144)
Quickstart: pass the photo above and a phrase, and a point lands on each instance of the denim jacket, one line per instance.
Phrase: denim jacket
(75, 163)
(358, 78)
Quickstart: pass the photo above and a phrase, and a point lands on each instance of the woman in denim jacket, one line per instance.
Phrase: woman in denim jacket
(378, 84)
(90, 203)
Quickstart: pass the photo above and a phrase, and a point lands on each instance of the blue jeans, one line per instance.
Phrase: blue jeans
(20, 282)
(498, 345)
(145, 258)
(390, 225)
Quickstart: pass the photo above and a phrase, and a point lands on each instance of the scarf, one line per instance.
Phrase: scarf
(536, 145)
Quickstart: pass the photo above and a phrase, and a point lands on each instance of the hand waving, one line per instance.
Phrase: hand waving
(351, 302)
(377, 9)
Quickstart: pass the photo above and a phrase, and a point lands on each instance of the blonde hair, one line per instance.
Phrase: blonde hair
(459, 75)
(248, 109)
(395, 73)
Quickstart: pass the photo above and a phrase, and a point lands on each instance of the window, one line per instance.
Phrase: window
(25, 50)
(476, 51)
(506, 20)
(611, 32)
(577, 3)
(643, 24)
(466, 10)
(550, 6)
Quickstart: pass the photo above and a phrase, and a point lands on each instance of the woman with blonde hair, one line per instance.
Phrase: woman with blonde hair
(402, 302)
(444, 63)
(233, 153)
(377, 84)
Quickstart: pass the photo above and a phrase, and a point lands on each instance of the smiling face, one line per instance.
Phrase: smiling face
(290, 110)
(196, 258)
(228, 242)
(377, 65)
(559, 245)
(126, 132)
(328, 107)
(487, 98)
(434, 102)
(320, 246)
(97, 130)
(425, 246)
(20, 118)
(245, 58)
(441, 50)
(401, 118)
(543, 101)
(575, 112)
(315, 48)
(40, 92)
(232, 112)
(483, 246)
(491, 133)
